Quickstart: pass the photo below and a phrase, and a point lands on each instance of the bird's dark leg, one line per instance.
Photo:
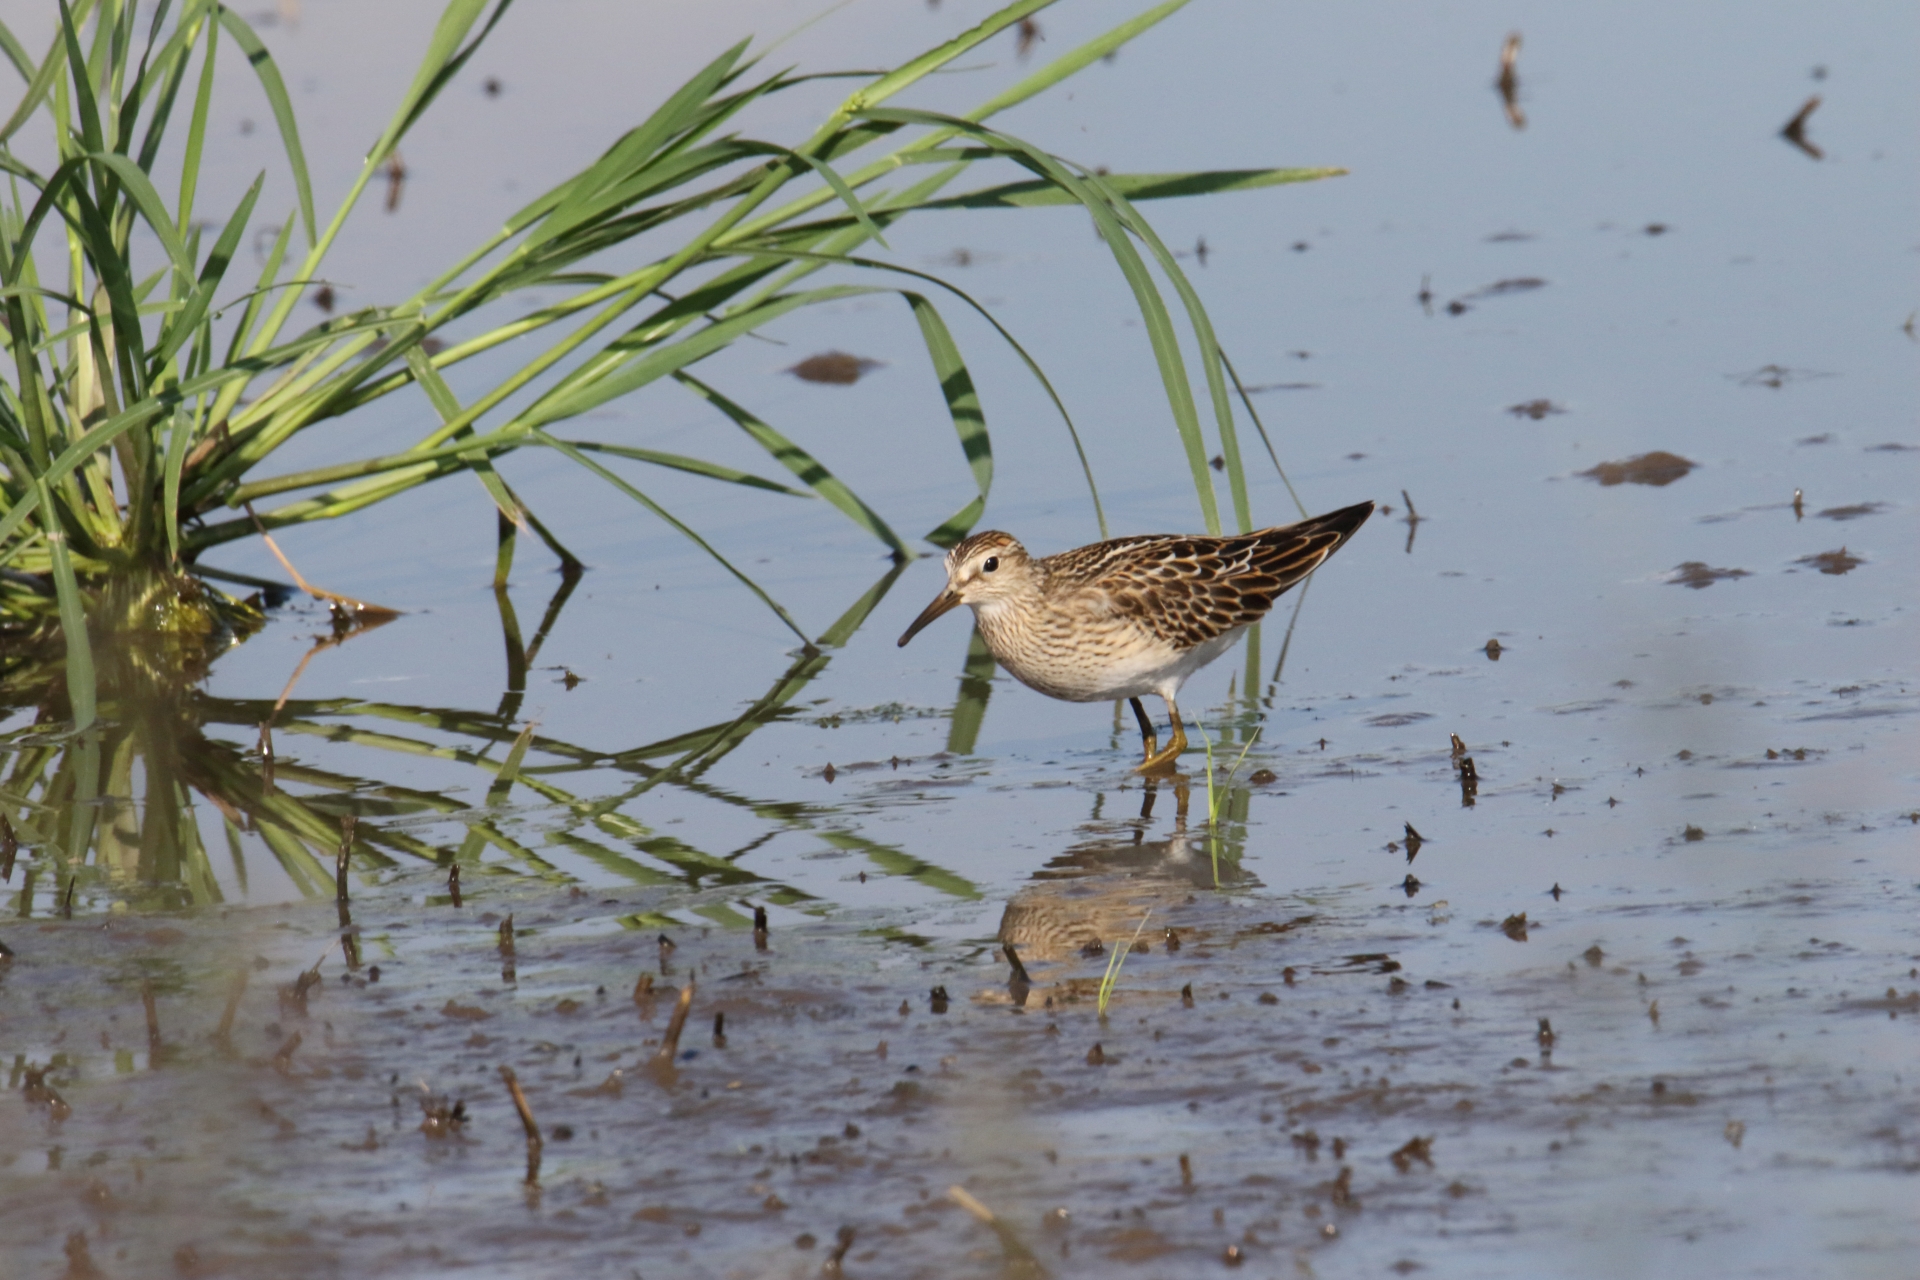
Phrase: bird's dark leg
(1148, 738)
(1163, 761)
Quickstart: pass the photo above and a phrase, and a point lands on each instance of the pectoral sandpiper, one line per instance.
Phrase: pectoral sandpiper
(1133, 616)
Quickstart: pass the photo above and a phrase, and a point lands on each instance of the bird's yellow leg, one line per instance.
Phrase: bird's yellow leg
(1163, 761)
(1149, 740)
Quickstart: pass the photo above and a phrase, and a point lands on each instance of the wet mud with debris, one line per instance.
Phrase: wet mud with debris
(1303, 1083)
(1634, 992)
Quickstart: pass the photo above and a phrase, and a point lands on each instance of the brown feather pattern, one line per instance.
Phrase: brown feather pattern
(1186, 589)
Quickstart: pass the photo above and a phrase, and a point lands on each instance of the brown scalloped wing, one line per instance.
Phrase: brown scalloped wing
(1187, 589)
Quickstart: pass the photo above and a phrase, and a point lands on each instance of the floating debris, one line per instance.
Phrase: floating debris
(1833, 562)
(1508, 82)
(1699, 575)
(1535, 409)
(1774, 376)
(1853, 512)
(1658, 469)
(1795, 130)
(1420, 1149)
(1498, 289)
(396, 171)
(834, 367)
(1029, 34)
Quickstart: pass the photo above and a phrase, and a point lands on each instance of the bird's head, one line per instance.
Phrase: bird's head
(980, 569)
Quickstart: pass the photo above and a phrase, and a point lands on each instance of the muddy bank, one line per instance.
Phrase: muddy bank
(1295, 1081)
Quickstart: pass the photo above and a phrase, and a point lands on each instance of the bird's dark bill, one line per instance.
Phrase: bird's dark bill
(945, 601)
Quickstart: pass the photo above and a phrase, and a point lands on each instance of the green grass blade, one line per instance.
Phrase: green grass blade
(73, 619)
(503, 781)
(268, 73)
(845, 192)
(855, 617)
(1204, 337)
(811, 471)
(963, 405)
(1134, 186)
(92, 137)
(631, 362)
(1033, 366)
(976, 687)
(1261, 427)
(1075, 60)
(197, 129)
(182, 326)
(43, 77)
(243, 329)
(179, 439)
(633, 150)
(1153, 308)
(692, 466)
(76, 454)
(933, 59)
(447, 405)
(444, 58)
(620, 484)
(17, 54)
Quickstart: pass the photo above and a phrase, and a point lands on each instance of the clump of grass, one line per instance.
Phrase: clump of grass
(1217, 796)
(1119, 957)
(152, 390)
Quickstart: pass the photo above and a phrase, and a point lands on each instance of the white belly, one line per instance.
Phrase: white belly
(1101, 664)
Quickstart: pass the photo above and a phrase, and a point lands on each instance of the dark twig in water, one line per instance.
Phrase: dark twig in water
(1420, 1149)
(153, 1023)
(1509, 82)
(1020, 1261)
(1463, 763)
(38, 1093)
(396, 171)
(1795, 130)
(843, 1242)
(759, 928)
(360, 614)
(9, 847)
(283, 1056)
(643, 991)
(1412, 520)
(347, 823)
(66, 899)
(80, 1264)
(349, 938)
(670, 1043)
(720, 1030)
(223, 1034)
(527, 1122)
(453, 883)
(295, 997)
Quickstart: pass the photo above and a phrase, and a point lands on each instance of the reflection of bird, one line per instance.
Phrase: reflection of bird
(1098, 891)
(1133, 616)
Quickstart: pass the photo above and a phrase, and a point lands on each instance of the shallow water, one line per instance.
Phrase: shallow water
(1717, 771)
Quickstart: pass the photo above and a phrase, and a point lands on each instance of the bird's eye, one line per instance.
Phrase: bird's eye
(992, 563)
